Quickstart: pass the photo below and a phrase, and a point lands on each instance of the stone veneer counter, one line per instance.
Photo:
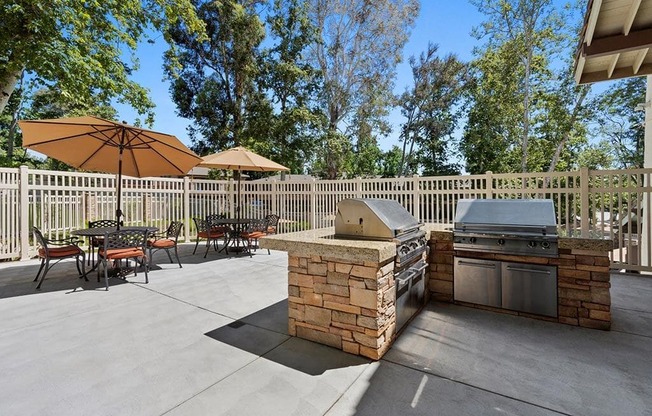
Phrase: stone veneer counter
(340, 292)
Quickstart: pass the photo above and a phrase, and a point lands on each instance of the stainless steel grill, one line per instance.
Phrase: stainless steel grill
(387, 220)
(522, 227)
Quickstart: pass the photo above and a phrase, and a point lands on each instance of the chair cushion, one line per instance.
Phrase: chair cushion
(161, 243)
(122, 253)
(65, 251)
(213, 234)
(253, 235)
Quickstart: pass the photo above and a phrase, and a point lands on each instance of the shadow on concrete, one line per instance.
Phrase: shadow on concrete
(264, 333)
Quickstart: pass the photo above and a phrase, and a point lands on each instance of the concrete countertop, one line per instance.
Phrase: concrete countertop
(321, 242)
(445, 232)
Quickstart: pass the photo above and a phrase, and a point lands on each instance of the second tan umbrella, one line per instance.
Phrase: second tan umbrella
(239, 159)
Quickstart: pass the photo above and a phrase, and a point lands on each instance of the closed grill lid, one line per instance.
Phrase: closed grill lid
(368, 218)
(515, 215)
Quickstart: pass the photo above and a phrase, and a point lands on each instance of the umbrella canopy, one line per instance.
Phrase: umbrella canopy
(94, 144)
(239, 158)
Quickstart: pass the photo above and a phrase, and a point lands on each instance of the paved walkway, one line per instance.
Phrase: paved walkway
(211, 339)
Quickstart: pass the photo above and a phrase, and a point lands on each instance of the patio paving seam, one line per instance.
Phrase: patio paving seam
(227, 376)
(142, 285)
(478, 388)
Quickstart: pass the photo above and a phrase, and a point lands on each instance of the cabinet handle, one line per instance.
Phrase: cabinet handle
(468, 263)
(519, 269)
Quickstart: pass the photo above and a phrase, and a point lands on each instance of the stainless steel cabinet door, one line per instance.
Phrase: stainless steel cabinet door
(477, 281)
(530, 288)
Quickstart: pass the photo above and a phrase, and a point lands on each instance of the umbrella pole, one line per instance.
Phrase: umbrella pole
(118, 211)
(237, 204)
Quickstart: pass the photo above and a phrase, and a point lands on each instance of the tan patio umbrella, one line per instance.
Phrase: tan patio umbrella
(239, 158)
(94, 144)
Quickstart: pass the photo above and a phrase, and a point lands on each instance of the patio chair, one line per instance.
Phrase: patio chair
(96, 242)
(272, 223)
(211, 233)
(166, 240)
(123, 245)
(253, 232)
(51, 249)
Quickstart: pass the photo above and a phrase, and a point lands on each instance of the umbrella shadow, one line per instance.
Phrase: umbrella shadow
(17, 279)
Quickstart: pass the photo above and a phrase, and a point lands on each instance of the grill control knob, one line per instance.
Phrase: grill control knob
(532, 244)
(473, 240)
(501, 241)
(545, 244)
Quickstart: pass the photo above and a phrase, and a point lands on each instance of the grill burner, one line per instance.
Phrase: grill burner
(522, 227)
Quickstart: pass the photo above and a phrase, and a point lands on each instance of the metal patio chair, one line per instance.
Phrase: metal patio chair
(123, 245)
(166, 240)
(255, 230)
(96, 242)
(51, 249)
(211, 232)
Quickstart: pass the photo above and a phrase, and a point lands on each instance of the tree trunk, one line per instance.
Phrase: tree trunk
(8, 82)
(526, 109)
(571, 121)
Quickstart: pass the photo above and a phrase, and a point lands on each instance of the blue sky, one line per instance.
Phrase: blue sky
(447, 23)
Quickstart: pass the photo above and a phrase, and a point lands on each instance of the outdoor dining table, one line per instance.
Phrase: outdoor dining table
(102, 231)
(236, 227)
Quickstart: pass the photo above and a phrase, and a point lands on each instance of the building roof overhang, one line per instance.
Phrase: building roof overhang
(615, 42)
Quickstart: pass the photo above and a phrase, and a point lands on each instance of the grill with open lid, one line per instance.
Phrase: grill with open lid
(387, 220)
(510, 226)
(381, 220)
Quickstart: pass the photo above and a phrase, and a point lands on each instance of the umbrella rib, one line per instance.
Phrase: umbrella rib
(152, 140)
(58, 139)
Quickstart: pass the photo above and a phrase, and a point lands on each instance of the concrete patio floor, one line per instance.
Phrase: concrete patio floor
(211, 339)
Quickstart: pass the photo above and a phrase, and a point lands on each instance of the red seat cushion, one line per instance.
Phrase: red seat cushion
(122, 253)
(214, 234)
(161, 243)
(65, 251)
(254, 234)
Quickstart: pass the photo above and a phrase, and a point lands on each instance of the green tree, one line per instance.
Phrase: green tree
(293, 122)
(620, 120)
(359, 44)
(215, 82)
(534, 29)
(490, 138)
(78, 46)
(432, 109)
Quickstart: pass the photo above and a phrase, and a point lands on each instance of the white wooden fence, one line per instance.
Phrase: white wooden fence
(598, 204)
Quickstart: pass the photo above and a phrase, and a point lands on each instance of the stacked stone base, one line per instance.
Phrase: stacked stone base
(345, 304)
(583, 290)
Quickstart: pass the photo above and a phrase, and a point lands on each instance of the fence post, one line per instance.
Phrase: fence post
(416, 197)
(489, 185)
(358, 187)
(186, 208)
(24, 212)
(313, 204)
(584, 201)
(274, 197)
(232, 192)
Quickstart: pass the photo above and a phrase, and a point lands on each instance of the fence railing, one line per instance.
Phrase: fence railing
(598, 204)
